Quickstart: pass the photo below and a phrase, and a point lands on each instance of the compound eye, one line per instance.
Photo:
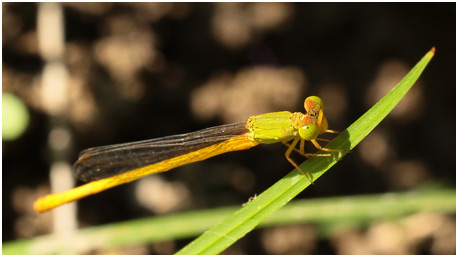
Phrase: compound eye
(313, 104)
(308, 132)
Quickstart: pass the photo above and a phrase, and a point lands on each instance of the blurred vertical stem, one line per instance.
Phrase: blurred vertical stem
(55, 98)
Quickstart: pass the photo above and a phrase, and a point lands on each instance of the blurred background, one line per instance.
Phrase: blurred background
(78, 75)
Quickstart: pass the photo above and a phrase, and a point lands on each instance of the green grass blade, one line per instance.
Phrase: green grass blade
(247, 218)
(356, 210)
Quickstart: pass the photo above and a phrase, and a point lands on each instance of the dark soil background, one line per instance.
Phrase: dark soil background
(146, 70)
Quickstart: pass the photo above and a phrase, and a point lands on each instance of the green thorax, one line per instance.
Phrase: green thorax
(274, 127)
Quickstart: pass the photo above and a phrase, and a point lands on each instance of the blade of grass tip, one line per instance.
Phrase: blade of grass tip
(366, 123)
(247, 218)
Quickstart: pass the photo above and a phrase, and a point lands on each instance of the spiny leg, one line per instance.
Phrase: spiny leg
(329, 141)
(327, 131)
(308, 155)
(319, 147)
(303, 153)
(288, 153)
(323, 139)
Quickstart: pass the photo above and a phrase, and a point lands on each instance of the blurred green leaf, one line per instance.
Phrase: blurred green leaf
(15, 117)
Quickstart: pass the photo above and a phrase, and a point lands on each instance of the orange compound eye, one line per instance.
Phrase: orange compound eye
(313, 104)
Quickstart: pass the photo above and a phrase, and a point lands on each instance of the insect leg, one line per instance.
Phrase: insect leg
(288, 153)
